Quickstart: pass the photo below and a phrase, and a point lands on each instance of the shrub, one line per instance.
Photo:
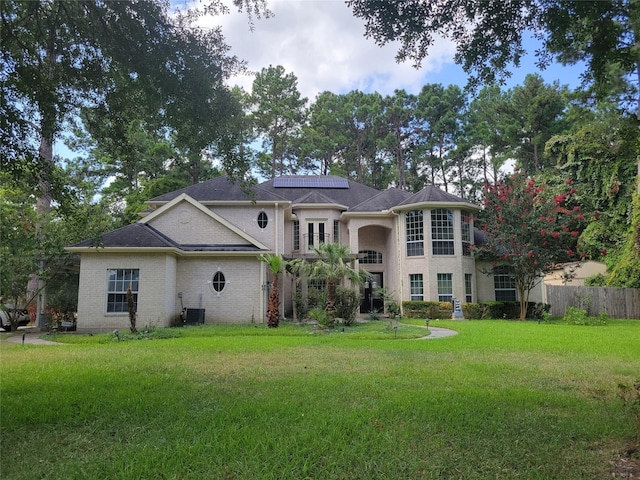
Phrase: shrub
(321, 316)
(475, 311)
(578, 316)
(316, 298)
(347, 304)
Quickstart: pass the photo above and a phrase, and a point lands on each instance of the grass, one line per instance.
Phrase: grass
(499, 400)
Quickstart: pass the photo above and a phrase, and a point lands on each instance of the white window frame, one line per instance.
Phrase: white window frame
(117, 288)
(416, 287)
(445, 287)
(414, 230)
(442, 235)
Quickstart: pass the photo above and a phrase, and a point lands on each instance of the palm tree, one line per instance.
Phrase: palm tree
(295, 267)
(332, 266)
(275, 264)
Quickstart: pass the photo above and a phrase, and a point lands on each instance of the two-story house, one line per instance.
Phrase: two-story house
(199, 248)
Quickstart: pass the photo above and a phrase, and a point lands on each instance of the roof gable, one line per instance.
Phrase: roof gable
(187, 221)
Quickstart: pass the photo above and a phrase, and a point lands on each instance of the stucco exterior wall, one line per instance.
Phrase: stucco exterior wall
(155, 305)
(242, 299)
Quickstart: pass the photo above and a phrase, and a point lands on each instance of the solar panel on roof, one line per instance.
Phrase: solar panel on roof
(310, 182)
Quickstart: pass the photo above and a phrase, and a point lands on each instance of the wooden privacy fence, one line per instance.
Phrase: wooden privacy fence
(615, 302)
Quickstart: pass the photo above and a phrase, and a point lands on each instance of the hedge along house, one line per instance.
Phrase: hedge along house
(198, 248)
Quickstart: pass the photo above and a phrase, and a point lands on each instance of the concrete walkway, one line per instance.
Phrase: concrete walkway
(437, 332)
(30, 336)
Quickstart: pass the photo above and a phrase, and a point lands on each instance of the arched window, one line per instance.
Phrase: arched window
(263, 220)
(218, 282)
(370, 256)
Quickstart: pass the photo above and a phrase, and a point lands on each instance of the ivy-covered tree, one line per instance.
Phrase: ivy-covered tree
(530, 226)
(600, 155)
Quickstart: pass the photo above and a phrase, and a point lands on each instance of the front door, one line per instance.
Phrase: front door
(372, 301)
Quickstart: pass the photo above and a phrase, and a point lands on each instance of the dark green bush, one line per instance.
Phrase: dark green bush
(432, 310)
(347, 304)
(476, 311)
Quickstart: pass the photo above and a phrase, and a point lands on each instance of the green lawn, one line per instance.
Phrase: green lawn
(500, 400)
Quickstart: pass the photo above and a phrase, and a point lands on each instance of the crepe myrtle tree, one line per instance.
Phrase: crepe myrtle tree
(530, 227)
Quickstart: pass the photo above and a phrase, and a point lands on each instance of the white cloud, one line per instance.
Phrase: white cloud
(323, 45)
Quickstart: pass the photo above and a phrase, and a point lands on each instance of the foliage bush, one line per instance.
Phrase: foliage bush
(421, 309)
(476, 311)
(321, 316)
(316, 298)
(579, 316)
(347, 304)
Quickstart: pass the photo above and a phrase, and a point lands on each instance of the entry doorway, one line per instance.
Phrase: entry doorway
(372, 301)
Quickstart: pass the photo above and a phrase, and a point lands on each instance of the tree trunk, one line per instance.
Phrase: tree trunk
(273, 307)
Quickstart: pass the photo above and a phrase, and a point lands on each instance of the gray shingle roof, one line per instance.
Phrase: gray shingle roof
(221, 189)
(141, 235)
(382, 201)
(354, 195)
(432, 194)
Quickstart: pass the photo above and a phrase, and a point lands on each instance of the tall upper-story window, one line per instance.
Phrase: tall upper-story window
(442, 231)
(315, 234)
(415, 233)
(336, 231)
(466, 233)
(296, 235)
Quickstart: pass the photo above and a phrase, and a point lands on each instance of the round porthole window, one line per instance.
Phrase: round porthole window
(218, 282)
(263, 220)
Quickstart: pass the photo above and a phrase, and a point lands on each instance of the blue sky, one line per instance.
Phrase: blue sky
(324, 46)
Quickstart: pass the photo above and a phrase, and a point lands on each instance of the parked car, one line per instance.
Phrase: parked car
(23, 317)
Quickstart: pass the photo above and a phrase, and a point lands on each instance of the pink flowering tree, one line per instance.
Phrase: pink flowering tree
(531, 227)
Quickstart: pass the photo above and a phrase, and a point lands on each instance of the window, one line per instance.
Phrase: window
(218, 282)
(118, 281)
(336, 231)
(504, 284)
(442, 231)
(468, 287)
(415, 233)
(370, 256)
(315, 234)
(296, 235)
(263, 220)
(445, 287)
(416, 287)
(466, 234)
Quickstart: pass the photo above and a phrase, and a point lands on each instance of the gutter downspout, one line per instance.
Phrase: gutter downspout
(399, 261)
